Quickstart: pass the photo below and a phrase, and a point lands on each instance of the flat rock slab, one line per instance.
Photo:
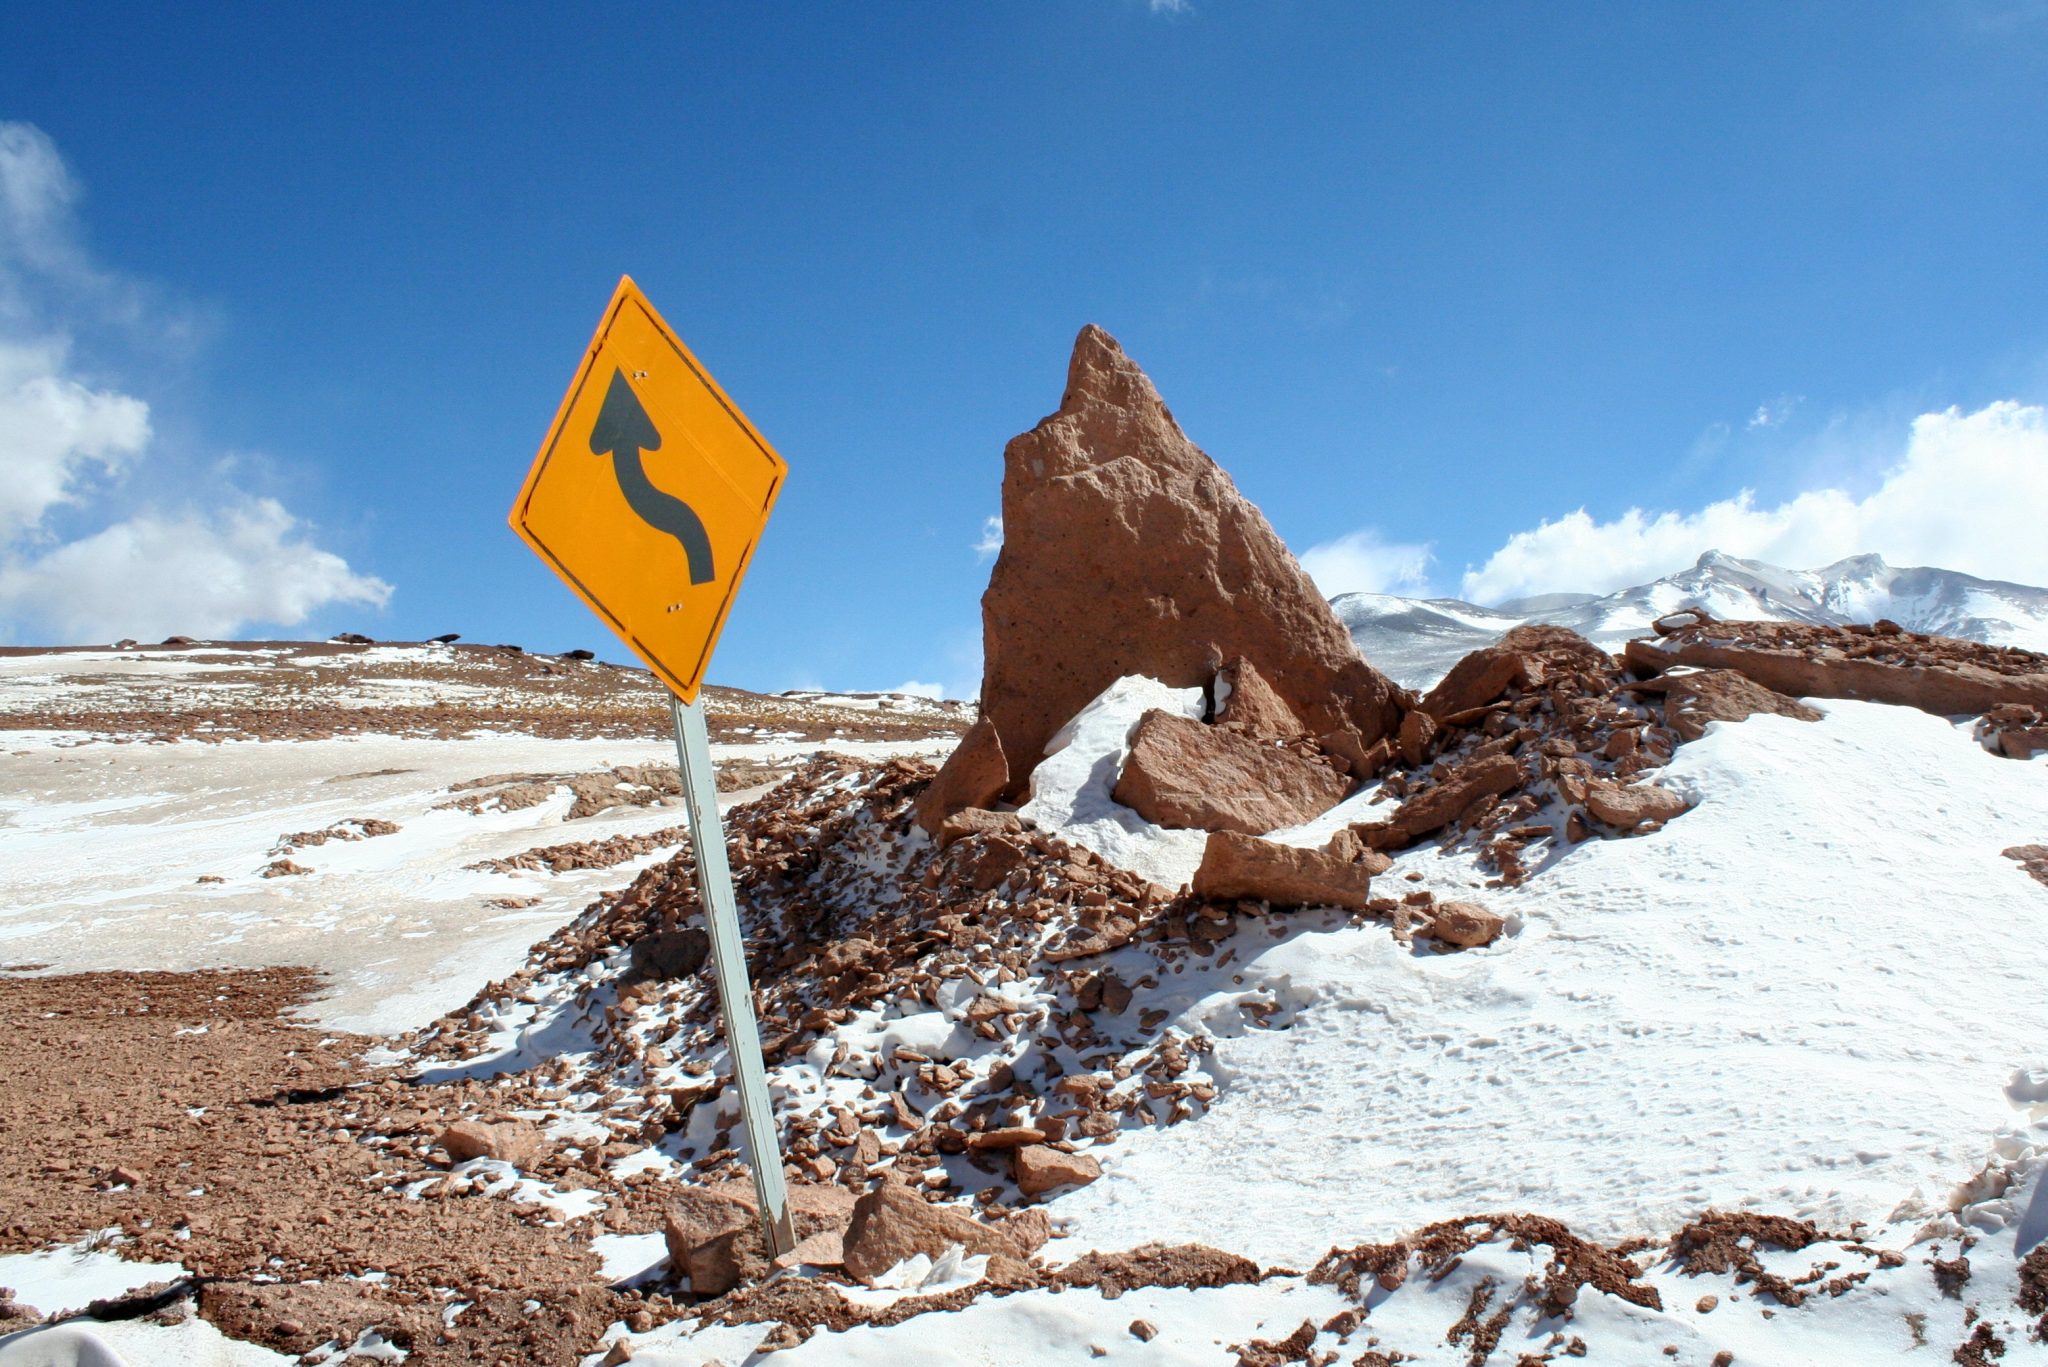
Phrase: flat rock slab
(1183, 773)
(1337, 875)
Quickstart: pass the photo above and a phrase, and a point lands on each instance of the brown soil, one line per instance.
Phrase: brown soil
(247, 1153)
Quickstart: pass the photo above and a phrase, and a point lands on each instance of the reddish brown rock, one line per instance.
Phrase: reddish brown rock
(1465, 924)
(1127, 551)
(892, 1223)
(978, 821)
(1336, 875)
(1418, 729)
(1933, 673)
(1629, 807)
(2032, 858)
(509, 1141)
(974, 775)
(1443, 802)
(1250, 705)
(1185, 774)
(1040, 1168)
(1525, 657)
(1695, 697)
(714, 1234)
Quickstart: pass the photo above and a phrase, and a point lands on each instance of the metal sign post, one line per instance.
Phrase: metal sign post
(758, 1140)
(648, 497)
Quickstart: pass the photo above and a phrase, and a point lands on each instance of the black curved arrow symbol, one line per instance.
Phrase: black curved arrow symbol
(622, 431)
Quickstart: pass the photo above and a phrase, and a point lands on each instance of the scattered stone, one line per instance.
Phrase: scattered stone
(1337, 875)
(1040, 1168)
(978, 821)
(1144, 1330)
(1444, 802)
(1182, 773)
(1630, 806)
(1465, 924)
(284, 868)
(892, 1223)
(667, 955)
(714, 1232)
(975, 775)
(510, 1141)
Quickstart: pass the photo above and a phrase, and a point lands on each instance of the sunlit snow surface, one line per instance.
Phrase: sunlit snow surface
(1806, 995)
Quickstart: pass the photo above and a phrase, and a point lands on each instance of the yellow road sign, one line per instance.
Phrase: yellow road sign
(650, 492)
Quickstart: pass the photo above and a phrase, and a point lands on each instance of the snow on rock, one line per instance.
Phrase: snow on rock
(1071, 789)
(1807, 996)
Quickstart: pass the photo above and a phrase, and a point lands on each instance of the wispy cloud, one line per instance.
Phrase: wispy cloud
(1965, 493)
(990, 541)
(1170, 6)
(1366, 562)
(69, 439)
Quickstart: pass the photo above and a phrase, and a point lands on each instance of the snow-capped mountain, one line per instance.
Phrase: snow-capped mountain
(1415, 640)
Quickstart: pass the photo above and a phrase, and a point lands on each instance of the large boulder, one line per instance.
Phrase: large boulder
(892, 1223)
(1336, 875)
(1126, 550)
(1183, 773)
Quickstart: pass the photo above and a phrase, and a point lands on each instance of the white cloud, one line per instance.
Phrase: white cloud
(1364, 562)
(52, 428)
(991, 539)
(1966, 494)
(1170, 6)
(66, 442)
(188, 572)
(916, 689)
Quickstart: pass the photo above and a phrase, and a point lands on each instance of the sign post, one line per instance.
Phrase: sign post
(647, 499)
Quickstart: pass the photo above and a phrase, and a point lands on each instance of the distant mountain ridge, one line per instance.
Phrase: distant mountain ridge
(1415, 640)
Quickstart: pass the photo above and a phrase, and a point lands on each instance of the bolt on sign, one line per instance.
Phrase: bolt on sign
(650, 492)
(647, 498)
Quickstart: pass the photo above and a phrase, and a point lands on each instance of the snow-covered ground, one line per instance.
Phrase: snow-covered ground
(105, 845)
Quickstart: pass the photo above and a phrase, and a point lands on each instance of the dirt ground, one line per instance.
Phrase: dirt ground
(187, 1112)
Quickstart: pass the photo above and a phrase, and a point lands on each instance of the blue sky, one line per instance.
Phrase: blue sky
(1424, 279)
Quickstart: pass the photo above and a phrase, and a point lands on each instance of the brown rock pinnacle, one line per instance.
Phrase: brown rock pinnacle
(1126, 550)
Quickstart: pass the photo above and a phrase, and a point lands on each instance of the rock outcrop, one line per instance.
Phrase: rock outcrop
(1128, 551)
(1877, 663)
(1339, 874)
(1184, 773)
